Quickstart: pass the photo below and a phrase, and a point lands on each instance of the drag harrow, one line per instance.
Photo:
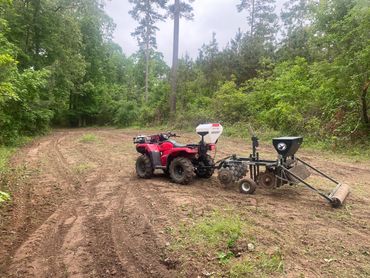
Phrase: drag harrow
(286, 169)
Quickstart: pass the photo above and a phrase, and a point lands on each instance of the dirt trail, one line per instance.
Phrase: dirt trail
(80, 211)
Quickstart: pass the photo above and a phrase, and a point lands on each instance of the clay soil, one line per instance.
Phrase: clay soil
(79, 210)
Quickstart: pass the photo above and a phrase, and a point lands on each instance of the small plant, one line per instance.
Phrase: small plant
(88, 138)
(271, 263)
(224, 258)
(82, 168)
(4, 197)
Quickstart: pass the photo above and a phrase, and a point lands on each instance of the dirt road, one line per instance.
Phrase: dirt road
(80, 211)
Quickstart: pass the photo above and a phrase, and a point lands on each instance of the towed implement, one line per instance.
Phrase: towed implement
(286, 169)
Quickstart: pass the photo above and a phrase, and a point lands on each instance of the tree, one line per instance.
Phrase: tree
(297, 19)
(260, 42)
(177, 10)
(147, 14)
(341, 36)
(261, 17)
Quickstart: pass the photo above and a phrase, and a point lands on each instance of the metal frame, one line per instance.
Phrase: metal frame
(279, 169)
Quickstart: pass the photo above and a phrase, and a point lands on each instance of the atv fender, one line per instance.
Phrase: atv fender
(184, 152)
(152, 151)
(155, 157)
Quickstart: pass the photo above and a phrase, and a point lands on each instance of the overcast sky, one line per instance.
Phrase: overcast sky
(218, 16)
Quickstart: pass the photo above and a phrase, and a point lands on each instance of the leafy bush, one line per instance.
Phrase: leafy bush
(231, 104)
(126, 114)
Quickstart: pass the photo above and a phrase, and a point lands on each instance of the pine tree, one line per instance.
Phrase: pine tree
(177, 10)
(147, 13)
(261, 17)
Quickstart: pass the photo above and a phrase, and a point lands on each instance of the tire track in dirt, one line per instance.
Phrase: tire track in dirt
(142, 237)
(48, 239)
(33, 257)
(110, 223)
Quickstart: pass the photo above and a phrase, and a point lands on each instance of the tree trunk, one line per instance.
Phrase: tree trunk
(175, 59)
(365, 116)
(36, 33)
(146, 72)
(252, 23)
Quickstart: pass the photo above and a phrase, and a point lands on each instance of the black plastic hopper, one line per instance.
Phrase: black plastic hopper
(287, 146)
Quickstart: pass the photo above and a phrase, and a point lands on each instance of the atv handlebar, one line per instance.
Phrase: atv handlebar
(170, 134)
(160, 137)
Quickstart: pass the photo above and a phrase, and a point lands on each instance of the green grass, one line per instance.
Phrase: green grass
(88, 138)
(5, 153)
(242, 269)
(257, 266)
(82, 168)
(218, 242)
(216, 229)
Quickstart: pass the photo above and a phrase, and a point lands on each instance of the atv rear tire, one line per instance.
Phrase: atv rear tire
(205, 173)
(247, 186)
(181, 170)
(144, 168)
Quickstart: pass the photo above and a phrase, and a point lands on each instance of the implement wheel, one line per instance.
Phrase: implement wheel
(181, 170)
(247, 186)
(266, 179)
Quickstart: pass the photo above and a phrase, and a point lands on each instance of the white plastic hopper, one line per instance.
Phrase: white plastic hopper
(214, 132)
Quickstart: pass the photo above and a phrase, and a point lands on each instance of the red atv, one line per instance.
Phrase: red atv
(180, 161)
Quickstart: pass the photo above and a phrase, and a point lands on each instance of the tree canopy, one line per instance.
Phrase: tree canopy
(302, 71)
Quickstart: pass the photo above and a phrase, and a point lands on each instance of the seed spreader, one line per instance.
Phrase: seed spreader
(286, 169)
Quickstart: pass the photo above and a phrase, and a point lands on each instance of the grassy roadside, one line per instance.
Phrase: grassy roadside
(5, 154)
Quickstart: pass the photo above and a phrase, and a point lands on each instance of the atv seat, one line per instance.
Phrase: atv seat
(176, 145)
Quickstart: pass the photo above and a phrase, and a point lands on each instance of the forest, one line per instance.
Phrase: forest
(304, 70)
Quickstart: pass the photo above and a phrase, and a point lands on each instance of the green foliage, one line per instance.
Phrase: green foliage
(231, 104)
(59, 66)
(224, 258)
(127, 114)
(5, 153)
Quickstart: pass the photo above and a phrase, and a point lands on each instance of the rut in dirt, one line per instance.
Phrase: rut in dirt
(104, 225)
(80, 211)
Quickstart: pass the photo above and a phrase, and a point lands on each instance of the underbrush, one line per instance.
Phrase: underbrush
(222, 244)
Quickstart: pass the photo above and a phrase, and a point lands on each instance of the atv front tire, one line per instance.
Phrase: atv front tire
(144, 168)
(247, 186)
(181, 170)
(205, 173)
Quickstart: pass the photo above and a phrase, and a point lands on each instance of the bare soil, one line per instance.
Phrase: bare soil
(79, 210)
